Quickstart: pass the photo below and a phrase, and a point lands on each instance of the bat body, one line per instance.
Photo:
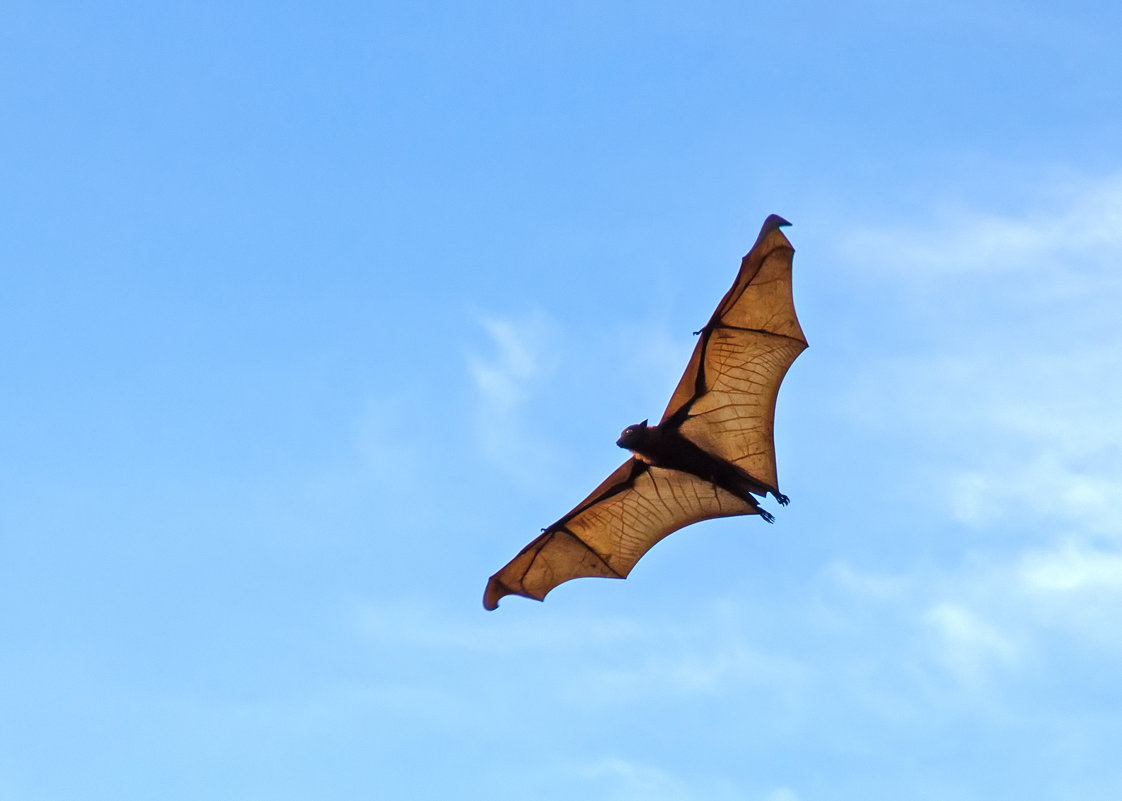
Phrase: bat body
(709, 456)
(663, 446)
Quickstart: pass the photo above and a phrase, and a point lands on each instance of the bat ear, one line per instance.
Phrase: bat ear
(643, 424)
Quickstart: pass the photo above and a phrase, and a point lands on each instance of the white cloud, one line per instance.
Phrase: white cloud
(782, 794)
(521, 357)
(1075, 225)
(628, 780)
(632, 781)
(524, 354)
(668, 658)
(997, 613)
(696, 667)
(1015, 397)
(378, 463)
(469, 631)
(968, 645)
(868, 584)
(1071, 568)
(1073, 588)
(1019, 443)
(1032, 490)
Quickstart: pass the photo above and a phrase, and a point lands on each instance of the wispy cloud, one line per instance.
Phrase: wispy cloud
(1074, 587)
(699, 667)
(1009, 388)
(782, 794)
(993, 613)
(1071, 568)
(415, 624)
(620, 661)
(878, 586)
(524, 353)
(521, 356)
(379, 461)
(1070, 227)
(632, 781)
(1015, 395)
(968, 645)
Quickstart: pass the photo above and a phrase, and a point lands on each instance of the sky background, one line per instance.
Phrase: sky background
(313, 314)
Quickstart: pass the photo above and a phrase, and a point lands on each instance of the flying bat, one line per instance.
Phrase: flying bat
(710, 455)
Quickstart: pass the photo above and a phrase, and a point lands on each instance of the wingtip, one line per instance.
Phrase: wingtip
(495, 590)
(773, 223)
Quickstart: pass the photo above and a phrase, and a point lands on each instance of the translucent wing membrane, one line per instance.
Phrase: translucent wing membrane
(724, 404)
(735, 417)
(611, 529)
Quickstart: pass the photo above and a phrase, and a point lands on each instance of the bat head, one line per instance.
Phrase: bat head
(633, 436)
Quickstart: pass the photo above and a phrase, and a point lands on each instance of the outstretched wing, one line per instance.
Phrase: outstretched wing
(725, 402)
(607, 533)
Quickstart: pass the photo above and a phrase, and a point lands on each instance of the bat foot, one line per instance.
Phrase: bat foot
(783, 499)
(768, 516)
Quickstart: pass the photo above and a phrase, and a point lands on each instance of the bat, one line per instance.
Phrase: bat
(710, 455)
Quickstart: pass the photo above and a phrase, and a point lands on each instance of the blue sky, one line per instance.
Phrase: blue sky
(314, 314)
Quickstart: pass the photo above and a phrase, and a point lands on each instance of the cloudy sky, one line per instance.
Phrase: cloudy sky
(315, 313)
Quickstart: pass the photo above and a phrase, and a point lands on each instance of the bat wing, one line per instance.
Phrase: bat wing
(725, 402)
(607, 533)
